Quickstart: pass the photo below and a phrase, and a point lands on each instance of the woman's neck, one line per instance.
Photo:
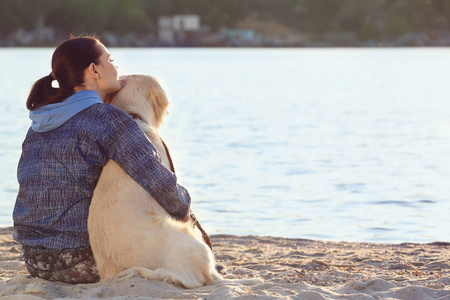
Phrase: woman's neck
(100, 93)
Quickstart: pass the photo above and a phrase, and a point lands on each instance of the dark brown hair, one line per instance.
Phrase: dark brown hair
(69, 61)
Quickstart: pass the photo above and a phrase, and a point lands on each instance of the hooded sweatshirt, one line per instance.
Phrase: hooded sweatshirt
(62, 157)
(52, 116)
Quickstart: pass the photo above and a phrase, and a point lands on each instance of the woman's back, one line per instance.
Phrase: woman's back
(57, 173)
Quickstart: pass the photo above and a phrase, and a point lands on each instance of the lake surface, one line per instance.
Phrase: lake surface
(333, 144)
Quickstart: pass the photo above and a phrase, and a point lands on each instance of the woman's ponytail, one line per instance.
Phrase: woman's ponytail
(42, 93)
(69, 61)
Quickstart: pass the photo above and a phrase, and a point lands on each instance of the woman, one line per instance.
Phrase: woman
(72, 135)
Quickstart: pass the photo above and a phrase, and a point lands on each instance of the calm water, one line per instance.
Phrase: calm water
(335, 144)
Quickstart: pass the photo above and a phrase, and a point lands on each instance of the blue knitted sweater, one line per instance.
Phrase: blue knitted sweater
(61, 163)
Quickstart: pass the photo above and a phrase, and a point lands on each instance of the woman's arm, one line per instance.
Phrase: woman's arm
(126, 144)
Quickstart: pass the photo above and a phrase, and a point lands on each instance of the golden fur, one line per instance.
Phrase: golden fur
(127, 227)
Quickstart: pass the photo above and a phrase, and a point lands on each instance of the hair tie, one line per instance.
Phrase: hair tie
(55, 83)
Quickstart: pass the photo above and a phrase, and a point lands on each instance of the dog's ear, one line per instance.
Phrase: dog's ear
(159, 100)
(109, 98)
(123, 79)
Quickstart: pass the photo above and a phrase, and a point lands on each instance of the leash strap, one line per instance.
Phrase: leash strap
(205, 236)
(193, 218)
(172, 168)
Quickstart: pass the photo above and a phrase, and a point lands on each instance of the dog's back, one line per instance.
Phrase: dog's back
(127, 227)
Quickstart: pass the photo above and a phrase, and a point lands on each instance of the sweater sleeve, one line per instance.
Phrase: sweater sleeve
(126, 144)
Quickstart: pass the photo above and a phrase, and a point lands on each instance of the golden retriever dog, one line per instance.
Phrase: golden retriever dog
(130, 233)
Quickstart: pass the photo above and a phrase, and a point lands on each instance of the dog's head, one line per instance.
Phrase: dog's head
(143, 96)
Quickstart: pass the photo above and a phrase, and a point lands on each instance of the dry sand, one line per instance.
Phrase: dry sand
(289, 268)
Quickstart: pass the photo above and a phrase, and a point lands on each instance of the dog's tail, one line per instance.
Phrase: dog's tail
(162, 275)
(157, 275)
(167, 276)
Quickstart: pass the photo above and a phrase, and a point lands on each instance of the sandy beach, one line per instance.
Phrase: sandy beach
(289, 268)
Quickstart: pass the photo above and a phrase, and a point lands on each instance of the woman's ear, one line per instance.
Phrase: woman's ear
(92, 70)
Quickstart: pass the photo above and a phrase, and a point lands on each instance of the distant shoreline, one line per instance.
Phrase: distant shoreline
(248, 47)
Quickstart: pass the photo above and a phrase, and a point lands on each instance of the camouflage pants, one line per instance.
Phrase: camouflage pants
(72, 267)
